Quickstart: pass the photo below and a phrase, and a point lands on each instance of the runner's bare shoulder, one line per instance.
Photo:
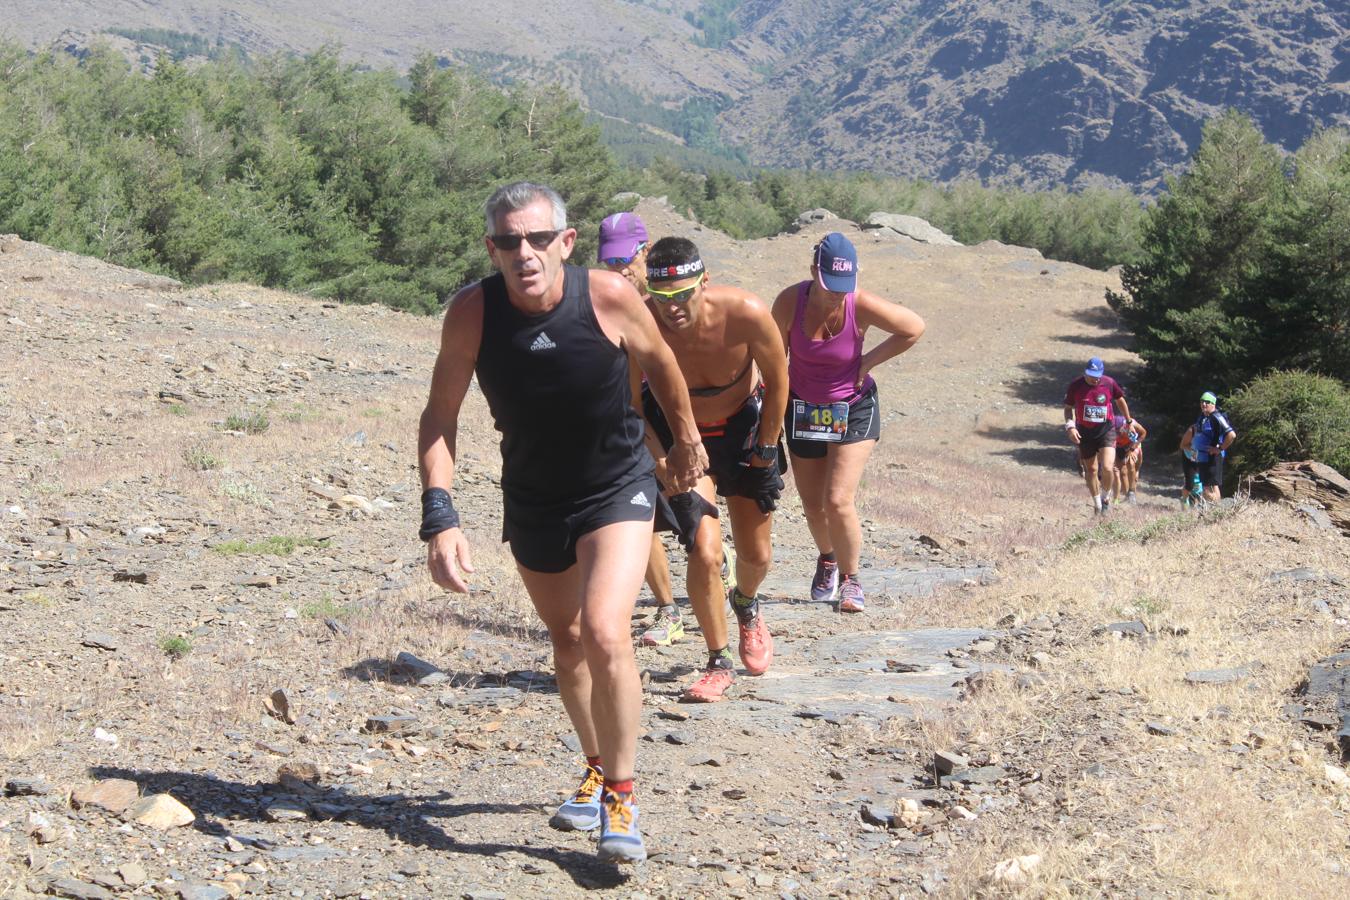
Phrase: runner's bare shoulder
(742, 308)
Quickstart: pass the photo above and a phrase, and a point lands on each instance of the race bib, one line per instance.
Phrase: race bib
(819, 421)
(1094, 414)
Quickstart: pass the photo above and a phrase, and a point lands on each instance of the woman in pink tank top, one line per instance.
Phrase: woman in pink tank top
(832, 422)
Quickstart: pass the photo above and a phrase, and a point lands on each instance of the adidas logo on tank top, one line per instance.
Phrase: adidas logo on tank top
(543, 343)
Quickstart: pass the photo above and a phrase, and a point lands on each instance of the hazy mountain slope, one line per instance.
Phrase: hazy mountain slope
(1035, 92)
(1038, 92)
(393, 33)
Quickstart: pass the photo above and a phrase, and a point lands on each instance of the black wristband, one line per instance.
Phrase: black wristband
(438, 513)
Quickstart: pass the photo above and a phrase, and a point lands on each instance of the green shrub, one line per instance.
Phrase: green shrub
(327, 608)
(303, 413)
(248, 423)
(1113, 531)
(175, 646)
(276, 545)
(1291, 416)
(1097, 228)
(199, 459)
(246, 492)
(303, 173)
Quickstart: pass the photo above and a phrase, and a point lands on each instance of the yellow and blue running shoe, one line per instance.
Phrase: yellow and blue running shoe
(581, 812)
(620, 839)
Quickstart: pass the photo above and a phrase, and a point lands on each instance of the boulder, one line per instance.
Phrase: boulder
(114, 795)
(160, 811)
(1306, 484)
(911, 227)
(812, 217)
(1328, 682)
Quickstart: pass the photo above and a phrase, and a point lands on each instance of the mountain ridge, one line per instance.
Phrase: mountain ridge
(1035, 93)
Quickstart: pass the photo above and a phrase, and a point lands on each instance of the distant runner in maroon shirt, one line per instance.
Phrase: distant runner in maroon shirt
(1088, 419)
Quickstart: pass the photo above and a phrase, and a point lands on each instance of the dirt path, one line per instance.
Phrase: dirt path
(209, 495)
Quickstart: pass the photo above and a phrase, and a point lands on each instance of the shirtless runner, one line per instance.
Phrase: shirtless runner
(730, 353)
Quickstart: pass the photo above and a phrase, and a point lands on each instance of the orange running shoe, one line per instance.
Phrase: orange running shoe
(756, 647)
(711, 685)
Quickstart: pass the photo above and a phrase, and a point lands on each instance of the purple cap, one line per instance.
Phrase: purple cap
(837, 263)
(620, 236)
(1095, 367)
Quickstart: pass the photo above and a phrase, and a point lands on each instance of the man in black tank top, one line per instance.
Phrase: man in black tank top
(551, 346)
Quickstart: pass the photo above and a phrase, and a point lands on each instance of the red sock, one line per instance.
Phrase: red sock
(619, 787)
(594, 763)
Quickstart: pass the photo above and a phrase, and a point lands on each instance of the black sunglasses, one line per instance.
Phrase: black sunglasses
(539, 240)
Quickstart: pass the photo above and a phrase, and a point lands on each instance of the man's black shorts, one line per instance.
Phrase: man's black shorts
(730, 444)
(1090, 440)
(864, 424)
(544, 538)
(1211, 472)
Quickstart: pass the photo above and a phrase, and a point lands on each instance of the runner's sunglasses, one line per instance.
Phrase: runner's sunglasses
(682, 296)
(539, 240)
(624, 260)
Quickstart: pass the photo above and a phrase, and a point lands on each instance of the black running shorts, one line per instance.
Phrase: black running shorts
(1090, 440)
(730, 444)
(1211, 472)
(544, 538)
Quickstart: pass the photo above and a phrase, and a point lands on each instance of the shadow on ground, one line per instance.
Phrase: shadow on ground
(1118, 341)
(1046, 379)
(1103, 317)
(524, 680)
(406, 818)
(529, 630)
(1052, 449)
(1063, 459)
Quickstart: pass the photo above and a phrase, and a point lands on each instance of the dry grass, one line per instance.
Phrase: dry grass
(11, 876)
(992, 508)
(1236, 802)
(24, 728)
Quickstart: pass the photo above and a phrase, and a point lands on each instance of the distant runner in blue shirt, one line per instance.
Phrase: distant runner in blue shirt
(1209, 438)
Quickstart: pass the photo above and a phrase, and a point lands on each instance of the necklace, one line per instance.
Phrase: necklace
(825, 323)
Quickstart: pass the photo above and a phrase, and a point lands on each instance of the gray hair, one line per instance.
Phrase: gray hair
(518, 195)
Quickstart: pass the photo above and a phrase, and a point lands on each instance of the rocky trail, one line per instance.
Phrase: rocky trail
(224, 673)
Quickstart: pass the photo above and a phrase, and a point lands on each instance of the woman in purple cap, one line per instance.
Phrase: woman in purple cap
(832, 420)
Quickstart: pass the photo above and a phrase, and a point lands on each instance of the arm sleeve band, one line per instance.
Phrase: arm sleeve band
(438, 513)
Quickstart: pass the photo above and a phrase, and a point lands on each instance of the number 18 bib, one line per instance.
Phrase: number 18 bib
(819, 421)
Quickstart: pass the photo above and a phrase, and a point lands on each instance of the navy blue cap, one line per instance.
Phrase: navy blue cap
(837, 262)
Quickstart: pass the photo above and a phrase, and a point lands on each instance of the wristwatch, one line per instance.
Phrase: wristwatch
(767, 452)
